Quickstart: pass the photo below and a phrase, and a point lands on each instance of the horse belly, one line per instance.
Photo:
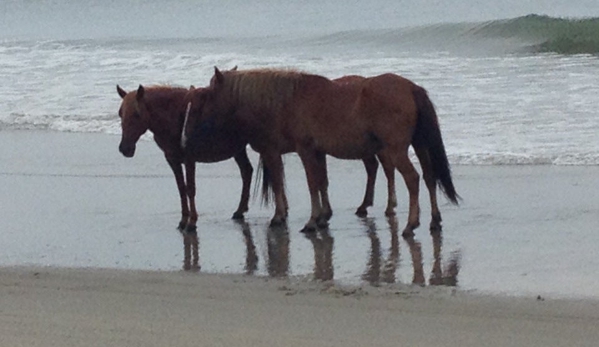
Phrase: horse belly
(357, 147)
(214, 148)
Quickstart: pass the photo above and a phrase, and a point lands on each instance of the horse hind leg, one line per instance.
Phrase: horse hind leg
(412, 179)
(323, 182)
(389, 170)
(313, 172)
(371, 165)
(190, 173)
(246, 170)
(431, 185)
(181, 187)
(274, 163)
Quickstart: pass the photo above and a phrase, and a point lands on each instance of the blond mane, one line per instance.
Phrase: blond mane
(262, 89)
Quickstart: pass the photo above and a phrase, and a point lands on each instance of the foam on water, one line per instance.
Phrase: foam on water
(495, 107)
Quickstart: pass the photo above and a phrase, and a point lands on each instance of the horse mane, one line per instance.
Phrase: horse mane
(164, 97)
(262, 89)
(164, 89)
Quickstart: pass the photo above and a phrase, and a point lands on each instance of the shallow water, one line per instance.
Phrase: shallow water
(529, 229)
(76, 202)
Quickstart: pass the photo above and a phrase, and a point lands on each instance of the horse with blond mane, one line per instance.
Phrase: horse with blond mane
(282, 111)
(161, 109)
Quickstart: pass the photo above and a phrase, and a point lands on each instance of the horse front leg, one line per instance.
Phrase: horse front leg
(371, 165)
(190, 175)
(246, 170)
(177, 168)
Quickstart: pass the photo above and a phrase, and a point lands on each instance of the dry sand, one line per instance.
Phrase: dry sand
(70, 205)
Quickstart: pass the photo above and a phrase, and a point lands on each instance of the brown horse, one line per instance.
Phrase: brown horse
(161, 109)
(370, 164)
(196, 99)
(281, 111)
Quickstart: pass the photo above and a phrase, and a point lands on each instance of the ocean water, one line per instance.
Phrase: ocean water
(514, 83)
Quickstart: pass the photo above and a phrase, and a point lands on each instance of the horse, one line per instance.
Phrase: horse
(282, 111)
(161, 109)
(370, 164)
(196, 100)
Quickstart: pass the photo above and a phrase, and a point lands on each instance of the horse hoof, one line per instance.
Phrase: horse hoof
(361, 212)
(181, 226)
(311, 226)
(191, 229)
(322, 223)
(237, 215)
(408, 232)
(277, 221)
(435, 227)
(327, 215)
(308, 229)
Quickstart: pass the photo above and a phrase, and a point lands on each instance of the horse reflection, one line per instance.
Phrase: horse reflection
(392, 263)
(384, 270)
(251, 258)
(416, 254)
(277, 242)
(377, 269)
(449, 276)
(322, 243)
(191, 258)
(373, 268)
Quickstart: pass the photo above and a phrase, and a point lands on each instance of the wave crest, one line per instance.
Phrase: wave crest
(527, 34)
(552, 35)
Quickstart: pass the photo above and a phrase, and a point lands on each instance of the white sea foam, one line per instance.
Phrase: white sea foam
(494, 109)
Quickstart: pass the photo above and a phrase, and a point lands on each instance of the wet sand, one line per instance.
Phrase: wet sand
(520, 249)
(75, 307)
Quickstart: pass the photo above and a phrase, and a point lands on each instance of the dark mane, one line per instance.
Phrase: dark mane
(262, 88)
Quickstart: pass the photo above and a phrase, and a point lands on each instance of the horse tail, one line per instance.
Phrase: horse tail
(267, 185)
(427, 135)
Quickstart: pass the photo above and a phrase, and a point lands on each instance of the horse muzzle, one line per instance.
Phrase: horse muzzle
(127, 150)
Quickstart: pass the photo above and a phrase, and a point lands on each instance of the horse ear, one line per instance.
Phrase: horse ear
(192, 87)
(218, 75)
(234, 68)
(140, 92)
(120, 90)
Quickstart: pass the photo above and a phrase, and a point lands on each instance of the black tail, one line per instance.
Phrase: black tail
(267, 189)
(428, 135)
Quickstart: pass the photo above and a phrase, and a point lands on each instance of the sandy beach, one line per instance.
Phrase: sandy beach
(90, 256)
(70, 307)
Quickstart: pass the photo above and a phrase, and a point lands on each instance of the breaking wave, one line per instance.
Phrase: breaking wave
(527, 34)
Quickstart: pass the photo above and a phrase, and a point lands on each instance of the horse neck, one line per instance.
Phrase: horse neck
(165, 120)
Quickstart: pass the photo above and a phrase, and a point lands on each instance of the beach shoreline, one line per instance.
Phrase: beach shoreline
(90, 256)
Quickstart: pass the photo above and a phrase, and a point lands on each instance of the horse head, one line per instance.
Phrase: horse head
(135, 119)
